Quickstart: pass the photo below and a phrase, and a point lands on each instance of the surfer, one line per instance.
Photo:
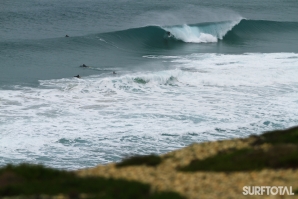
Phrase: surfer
(114, 73)
(169, 34)
(66, 36)
(77, 76)
(85, 66)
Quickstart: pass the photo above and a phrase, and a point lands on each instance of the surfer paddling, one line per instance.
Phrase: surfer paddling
(77, 76)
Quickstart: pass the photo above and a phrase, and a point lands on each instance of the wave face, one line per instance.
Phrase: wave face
(201, 33)
(158, 36)
(250, 35)
(248, 29)
(204, 32)
(47, 56)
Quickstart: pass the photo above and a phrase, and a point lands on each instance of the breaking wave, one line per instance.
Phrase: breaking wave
(200, 33)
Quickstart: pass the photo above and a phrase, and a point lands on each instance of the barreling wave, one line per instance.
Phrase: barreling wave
(248, 29)
(201, 33)
(154, 35)
(158, 36)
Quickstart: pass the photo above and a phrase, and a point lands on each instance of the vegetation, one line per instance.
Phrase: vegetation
(282, 153)
(276, 150)
(148, 160)
(28, 180)
(288, 136)
(247, 159)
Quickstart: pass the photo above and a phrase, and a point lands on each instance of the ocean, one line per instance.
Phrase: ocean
(159, 75)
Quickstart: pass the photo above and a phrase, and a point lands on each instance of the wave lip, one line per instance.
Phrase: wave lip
(156, 36)
(191, 34)
(201, 33)
(211, 32)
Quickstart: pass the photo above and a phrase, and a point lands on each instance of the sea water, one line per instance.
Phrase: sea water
(226, 70)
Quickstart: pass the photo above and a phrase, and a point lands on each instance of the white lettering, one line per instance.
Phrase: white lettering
(262, 189)
(245, 190)
(270, 190)
(257, 190)
(251, 190)
(276, 190)
(291, 191)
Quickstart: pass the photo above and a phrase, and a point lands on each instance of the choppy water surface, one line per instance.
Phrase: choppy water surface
(185, 72)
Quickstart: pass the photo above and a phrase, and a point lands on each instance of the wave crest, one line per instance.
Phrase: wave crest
(201, 33)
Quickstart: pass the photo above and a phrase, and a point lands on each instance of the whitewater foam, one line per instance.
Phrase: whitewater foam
(202, 33)
(74, 123)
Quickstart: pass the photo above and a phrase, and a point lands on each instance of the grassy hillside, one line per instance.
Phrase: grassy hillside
(208, 170)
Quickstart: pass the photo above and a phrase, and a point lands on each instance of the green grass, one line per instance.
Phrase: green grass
(288, 136)
(282, 155)
(148, 160)
(28, 180)
(247, 160)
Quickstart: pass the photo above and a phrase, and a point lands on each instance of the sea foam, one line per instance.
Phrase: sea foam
(74, 123)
